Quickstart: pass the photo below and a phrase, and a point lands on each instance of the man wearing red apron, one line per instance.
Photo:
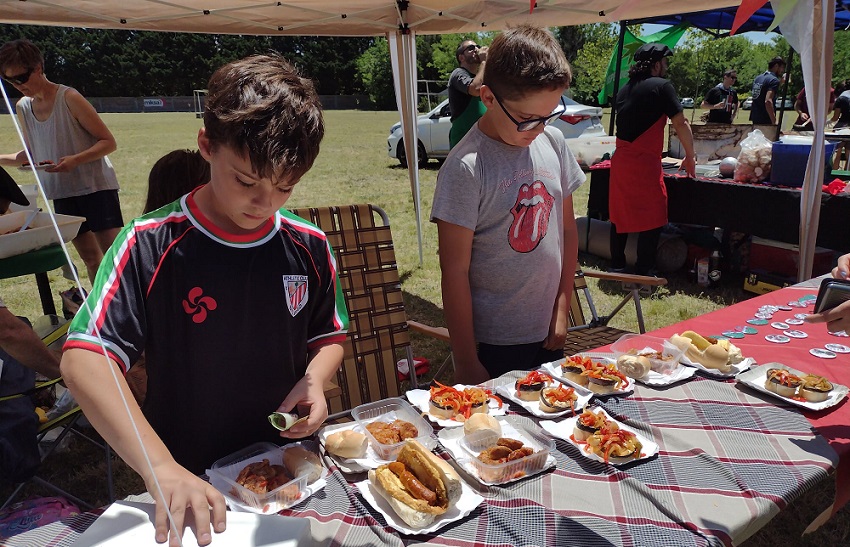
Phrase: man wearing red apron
(637, 196)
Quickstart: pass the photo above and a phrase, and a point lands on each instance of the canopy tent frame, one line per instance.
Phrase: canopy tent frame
(381, 18)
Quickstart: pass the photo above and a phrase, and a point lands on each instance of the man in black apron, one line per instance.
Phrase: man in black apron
(464, 84)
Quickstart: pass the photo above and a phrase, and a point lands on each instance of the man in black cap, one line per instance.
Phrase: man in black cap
(765, 87)
(637, 199)
(16, 337)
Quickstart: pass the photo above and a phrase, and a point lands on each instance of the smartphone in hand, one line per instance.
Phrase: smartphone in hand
(832, 292)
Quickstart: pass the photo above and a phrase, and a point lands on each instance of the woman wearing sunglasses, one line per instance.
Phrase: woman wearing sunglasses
(62, 127)
(722, 99)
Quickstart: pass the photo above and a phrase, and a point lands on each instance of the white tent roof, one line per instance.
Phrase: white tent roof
(406, 18)
(331, 17)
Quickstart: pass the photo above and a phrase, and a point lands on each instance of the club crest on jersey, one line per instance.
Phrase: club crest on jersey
(296, 292)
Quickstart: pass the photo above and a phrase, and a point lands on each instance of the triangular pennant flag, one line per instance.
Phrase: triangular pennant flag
(746, 10)
(781, 10)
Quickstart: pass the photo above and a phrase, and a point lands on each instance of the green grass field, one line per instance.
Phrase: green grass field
(353, 167)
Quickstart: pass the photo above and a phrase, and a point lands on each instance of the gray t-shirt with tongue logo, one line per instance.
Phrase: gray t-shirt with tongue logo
(512, 198)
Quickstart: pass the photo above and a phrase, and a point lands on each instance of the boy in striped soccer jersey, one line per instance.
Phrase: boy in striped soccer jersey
(235, 302)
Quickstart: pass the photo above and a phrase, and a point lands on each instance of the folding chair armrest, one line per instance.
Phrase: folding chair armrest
(626, 278)
(440, 333)
(331, 390)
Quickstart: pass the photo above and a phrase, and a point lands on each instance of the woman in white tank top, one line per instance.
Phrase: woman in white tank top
(62, 127)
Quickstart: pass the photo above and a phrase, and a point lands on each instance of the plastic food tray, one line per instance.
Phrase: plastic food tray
(40, 232)
(479, 441)
(640, 342)
(224, 472)
(388, 410)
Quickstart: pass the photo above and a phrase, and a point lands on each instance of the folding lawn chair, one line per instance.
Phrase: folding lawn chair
(69, 422)
(584, 334)
(378, 333)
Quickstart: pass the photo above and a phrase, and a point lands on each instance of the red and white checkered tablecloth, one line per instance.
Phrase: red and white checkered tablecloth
(730, 459)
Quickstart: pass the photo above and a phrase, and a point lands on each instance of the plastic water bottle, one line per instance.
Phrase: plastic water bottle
(714, 267)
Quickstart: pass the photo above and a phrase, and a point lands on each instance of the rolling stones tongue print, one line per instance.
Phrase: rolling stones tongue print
(531, 217)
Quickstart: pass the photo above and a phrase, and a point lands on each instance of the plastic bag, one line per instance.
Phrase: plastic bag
(754, 159)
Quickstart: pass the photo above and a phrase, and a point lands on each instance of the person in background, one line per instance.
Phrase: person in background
(172, 176)
(722, 99)
(504, 213)
(803, 121)
(464, 89)
(16, 337)
(838, 318)
(235, 301)
(175, 175)
(765, 88)
(841, 120)
(637, 198)
(62, 127)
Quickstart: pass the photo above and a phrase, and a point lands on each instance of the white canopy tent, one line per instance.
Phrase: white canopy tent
(401, 20)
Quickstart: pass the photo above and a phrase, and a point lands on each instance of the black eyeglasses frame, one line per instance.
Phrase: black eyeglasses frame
(528, 125)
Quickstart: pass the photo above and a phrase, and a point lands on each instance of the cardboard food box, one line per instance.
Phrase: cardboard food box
(40, 232)
(788, 163)
(783, 259)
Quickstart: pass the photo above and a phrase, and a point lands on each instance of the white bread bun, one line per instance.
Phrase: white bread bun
(634, 366)
(299, 462)
(735, 354)
(432, 471)
(347, 444)
(815, 389)
(699, 350)
(478, 422)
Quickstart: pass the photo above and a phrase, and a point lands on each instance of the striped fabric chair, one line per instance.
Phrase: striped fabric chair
(378, 334)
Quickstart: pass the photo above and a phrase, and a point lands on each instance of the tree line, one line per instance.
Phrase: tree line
(107, 63)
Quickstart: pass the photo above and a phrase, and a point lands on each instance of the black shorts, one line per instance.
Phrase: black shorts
(501, 359)
(101, 209)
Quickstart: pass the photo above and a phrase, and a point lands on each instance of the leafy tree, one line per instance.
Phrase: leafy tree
(591, 60)
(375, 71)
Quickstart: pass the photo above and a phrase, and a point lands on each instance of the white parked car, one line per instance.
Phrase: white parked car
(580, 124)
(688, 102)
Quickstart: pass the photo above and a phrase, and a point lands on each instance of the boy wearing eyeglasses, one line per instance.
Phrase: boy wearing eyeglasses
(504, 213)
(721, 101)
(62, 127)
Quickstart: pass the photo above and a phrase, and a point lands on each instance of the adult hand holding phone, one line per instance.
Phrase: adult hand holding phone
(833, 304)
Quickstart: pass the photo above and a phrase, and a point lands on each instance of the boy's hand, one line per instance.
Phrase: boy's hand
(310, 394)
(182, 490)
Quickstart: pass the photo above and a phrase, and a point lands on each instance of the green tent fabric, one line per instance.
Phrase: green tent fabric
(669, 37)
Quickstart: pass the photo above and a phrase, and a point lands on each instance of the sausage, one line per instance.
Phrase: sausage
(412, 484)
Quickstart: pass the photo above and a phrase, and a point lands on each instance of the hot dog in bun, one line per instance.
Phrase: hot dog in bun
(419, 486)
(706, 351)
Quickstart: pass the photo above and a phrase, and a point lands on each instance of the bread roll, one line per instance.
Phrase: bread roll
(347, 444)
(634, 366)
(478, 422)
(302, 462)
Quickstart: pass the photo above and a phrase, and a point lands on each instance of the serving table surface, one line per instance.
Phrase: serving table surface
(730, 459)
(769, 212)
